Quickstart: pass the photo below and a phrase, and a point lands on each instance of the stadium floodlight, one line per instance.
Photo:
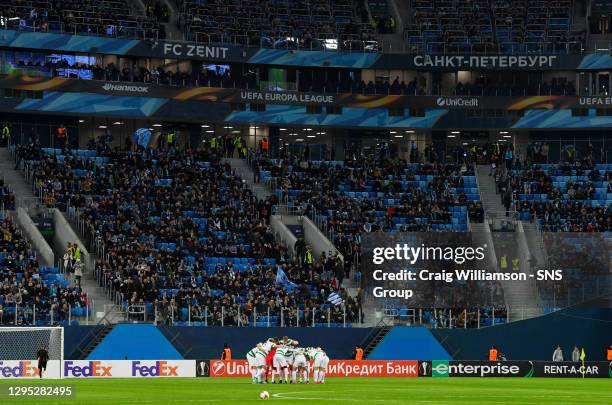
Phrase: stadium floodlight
(451, 136)
(299, 140)
(157, 125)
(23, 343)
(409, 131)
(228, 127)
(503, 132)
(311, 136)
(455, 132)
(102, 127)
(507, 136)
(210, 131)
(398, 136)
(205, 126)
(81, 121)
(393, 132)
(283, 129)
(117, 123)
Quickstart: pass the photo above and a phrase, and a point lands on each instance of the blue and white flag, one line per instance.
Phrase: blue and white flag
(142, 137)
(283, 280)
(335, 299)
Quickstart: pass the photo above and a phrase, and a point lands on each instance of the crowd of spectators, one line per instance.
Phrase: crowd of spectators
(369, 195)
(275, 22)
(184, 237)
(572, 196)
(492, 26)
(87, 17)
(7, 197)
(584, 258)
(482, 87)
(29, 293)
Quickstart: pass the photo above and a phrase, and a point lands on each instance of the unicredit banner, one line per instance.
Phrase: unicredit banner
(336, 368)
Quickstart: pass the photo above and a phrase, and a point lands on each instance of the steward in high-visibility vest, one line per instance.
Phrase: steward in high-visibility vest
(61, 132)
(516, 264)
(6, 133)
(71, 251)
(264, 145)
(170, 138)
(358, 353)
(610, 353)
(504, 263)
(308, 259)
(227, 353)
(493, 354)
(214, 143)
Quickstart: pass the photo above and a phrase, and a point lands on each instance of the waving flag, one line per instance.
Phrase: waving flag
(335, 299)
(142, 137)
(283, 280)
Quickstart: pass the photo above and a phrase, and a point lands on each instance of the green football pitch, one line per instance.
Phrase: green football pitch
(534, 391)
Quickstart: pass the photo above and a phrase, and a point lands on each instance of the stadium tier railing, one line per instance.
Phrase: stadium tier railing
(127, 29)
(131, 31)
(37, 316)
(236, 316)
(450, 318)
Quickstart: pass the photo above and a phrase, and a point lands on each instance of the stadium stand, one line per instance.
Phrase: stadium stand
(31, 294)
(205, 251)
(277, 23)
(478, 26)
(352, 197)
(86, 17)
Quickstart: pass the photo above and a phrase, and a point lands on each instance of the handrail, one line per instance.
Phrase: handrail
(351, 45)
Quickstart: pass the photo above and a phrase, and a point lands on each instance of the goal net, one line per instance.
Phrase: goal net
(18, 344)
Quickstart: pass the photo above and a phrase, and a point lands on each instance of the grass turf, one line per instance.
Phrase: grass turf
(162, 391)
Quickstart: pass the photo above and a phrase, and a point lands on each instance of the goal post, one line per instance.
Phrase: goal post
(21, 344)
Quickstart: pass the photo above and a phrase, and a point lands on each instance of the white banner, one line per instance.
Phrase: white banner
(128, 368)
(28, 369)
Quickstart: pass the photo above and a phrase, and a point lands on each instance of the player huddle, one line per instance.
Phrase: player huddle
(285, 359)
